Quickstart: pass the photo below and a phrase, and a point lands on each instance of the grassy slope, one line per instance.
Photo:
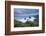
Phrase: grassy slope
(20, 24)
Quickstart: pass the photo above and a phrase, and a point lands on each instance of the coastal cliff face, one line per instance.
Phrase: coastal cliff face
(27, 19)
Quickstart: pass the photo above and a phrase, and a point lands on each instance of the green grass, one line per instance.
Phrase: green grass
(26, 24)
